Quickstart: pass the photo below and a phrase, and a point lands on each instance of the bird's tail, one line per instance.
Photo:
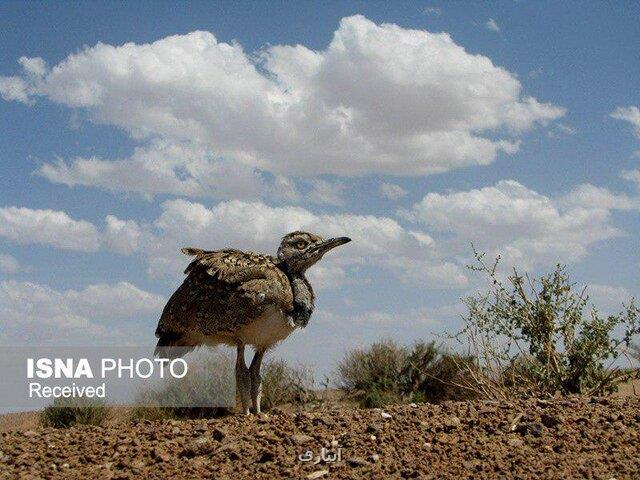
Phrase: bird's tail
(172, 345)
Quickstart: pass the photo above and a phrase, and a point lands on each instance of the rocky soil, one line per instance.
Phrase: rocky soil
(595, 438)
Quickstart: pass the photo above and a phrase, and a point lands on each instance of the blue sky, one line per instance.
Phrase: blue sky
(413, 127)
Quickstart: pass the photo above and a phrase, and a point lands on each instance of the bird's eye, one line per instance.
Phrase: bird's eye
(300, 245)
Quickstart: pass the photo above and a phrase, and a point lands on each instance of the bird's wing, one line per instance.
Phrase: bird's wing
(223, 290)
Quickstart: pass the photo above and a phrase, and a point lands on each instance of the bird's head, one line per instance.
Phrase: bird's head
(299, 250)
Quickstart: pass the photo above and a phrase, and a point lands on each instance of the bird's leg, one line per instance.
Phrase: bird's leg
(256, 380)
(243, 380)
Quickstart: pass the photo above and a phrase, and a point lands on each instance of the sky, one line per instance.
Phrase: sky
(132, 129)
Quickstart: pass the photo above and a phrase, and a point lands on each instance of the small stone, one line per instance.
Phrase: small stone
(201, 428)
(452, 422)
(515, 443)
(373, 438)
(356, 462)
(175, 430)
(300, 439)
(427, 445)
(413, 405)
(375, 457)
(515, 422)
(199, 446)
(317, 474)
(386, 415)
(30, 433)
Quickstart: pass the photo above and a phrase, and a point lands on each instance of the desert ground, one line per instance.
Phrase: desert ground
(565, 438)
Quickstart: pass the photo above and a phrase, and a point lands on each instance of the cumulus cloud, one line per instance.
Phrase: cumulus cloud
(329, 193)
(608, 298)
(9, 264)
(631, 175)
(492, 25)
(630, 115)
(526, 228)
(28, 226)
(177, 168)
(377, 99)
(34, 312)
(592, 197)
(48, 227)
(392, 191)
(377, 241)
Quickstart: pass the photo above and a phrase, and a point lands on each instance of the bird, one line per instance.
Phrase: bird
(240, 299)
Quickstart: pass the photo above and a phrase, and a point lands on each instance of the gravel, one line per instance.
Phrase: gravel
(573, 437)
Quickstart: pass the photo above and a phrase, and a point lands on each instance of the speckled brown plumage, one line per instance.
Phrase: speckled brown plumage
(224, 290)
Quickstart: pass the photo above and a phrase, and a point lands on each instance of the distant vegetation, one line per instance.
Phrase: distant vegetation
(387, 372)
(64, 413)
(281, 384)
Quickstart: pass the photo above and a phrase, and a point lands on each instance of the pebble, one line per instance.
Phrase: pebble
(452, 422)
(300, 439)
(317, 474)
(386, 415)
(356, 462)
(515, 443)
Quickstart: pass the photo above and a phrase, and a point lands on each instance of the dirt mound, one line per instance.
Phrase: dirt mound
(569, 438)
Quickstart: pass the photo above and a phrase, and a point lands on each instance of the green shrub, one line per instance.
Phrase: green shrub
(283, 384)
(539, 338)
(64, 413)
(387, 373)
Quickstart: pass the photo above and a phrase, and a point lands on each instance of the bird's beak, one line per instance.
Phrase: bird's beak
(327, 245)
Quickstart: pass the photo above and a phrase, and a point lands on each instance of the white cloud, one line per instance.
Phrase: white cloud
(631, 175)
(33, 312)
(492, 25)
(437, 11)
(28, 226)
(330, 193)
(48, 227)
(590, 196)
(21, 89)
(378, 99)
(377, 241)
(629, 114)
(122, 236)
(164, 167)
(8, 264)
(560, 129)
(608, 298)
(526, 228)
(392, 191)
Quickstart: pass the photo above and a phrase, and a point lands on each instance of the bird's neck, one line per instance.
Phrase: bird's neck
(303, 298)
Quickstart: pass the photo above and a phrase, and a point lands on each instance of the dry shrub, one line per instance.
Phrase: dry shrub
(204, 392)
(386, 373)
(64, 413)
(283, 384)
